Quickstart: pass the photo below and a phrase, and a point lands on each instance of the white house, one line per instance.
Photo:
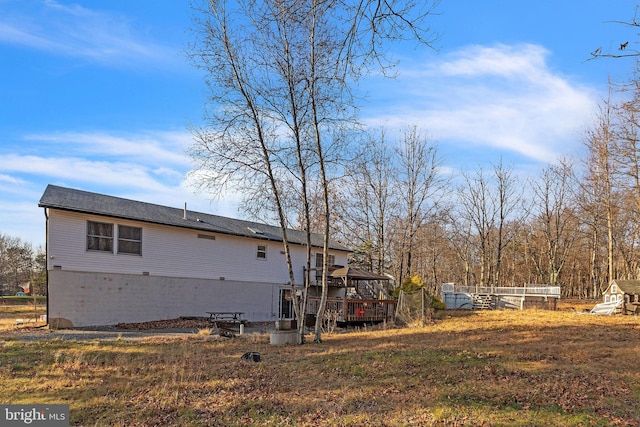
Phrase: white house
(112, 260)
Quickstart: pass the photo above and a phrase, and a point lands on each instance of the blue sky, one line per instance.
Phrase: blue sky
(98, 95)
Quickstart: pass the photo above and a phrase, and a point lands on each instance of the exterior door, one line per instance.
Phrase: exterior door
(286, 304)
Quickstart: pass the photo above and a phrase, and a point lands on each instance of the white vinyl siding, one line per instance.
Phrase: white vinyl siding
(172, 252)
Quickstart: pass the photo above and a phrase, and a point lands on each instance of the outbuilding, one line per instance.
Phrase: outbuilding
(625, 291)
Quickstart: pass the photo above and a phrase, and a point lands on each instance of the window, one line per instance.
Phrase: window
(129, 240)
(99, 236)
(614, 289)
(330, 258)
(262, 252)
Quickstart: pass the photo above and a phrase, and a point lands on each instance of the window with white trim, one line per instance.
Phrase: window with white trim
(261, 253)
(99, 236)
(129, 240)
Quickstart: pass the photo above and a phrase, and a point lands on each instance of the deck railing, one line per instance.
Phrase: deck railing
(527, 290)
(357, 310)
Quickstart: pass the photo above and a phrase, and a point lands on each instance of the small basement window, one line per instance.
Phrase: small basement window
(261, 252)
(129, 240)
(99, 236)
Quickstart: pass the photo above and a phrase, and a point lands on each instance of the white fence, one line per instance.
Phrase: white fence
(526, 290)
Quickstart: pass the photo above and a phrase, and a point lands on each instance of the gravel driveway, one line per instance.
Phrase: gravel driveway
(113, 333)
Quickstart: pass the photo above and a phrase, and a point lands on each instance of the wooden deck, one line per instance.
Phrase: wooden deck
(357, 310)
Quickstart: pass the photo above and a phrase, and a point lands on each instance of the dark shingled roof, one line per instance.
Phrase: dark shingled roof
(627, 286)
(69, 199)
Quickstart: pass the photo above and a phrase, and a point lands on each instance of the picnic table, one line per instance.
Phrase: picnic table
(226, 316)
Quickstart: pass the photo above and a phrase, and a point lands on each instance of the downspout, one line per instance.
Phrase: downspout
(46, 261)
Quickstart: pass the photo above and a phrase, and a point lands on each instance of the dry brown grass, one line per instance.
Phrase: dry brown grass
(492, 368)
(16, 316)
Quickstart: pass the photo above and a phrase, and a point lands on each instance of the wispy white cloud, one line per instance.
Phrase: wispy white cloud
(149, 166)
(76, 31)
(10, 180)
(150, 160)
(501, 97)
(150, 147)
(83, 170)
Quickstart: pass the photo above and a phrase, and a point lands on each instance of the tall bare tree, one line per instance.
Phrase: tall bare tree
(478, 209)
(554, 217)
(508, 199)
(627, 160)
(598, 192)
(281, 75)
(420, 186)
(371, 190)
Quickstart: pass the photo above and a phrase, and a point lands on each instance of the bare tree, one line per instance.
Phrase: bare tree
(622, 49)
(598, 192)
(554, 218)
(281, 74)
(459, 232)
(241, 146)
(371, 190)
(478, 209)
(420, 186)
(508, 199)
(17, 263)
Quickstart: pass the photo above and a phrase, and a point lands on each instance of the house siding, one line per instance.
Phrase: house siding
(178, 274)
(172, 252)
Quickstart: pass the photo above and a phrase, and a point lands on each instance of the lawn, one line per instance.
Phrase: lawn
(491, 368)
(13, 315)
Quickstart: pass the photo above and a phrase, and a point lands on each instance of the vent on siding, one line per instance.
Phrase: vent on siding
(206, 236)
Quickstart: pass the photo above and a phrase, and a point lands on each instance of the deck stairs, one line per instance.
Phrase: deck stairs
(607, 308)
(365, 292)
(371, 291)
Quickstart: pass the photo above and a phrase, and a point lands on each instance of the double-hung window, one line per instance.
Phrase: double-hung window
(261, 252)
(129, 240)
(319, 258)
(99, 236)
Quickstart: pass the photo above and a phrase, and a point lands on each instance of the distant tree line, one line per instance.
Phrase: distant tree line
(20, 264)
(575, 225)
(282, 130)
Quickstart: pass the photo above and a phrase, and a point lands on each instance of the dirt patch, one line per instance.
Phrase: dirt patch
(179, 323)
